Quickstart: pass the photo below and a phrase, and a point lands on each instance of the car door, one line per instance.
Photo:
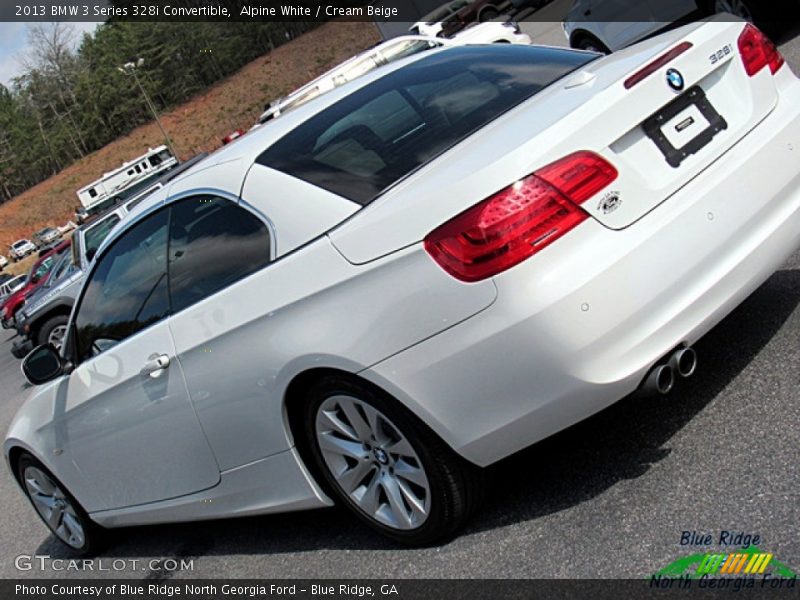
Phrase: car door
(216, 245)
(128, 423)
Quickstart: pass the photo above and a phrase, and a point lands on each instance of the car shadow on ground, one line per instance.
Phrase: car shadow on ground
(627, 439)
(620, 443)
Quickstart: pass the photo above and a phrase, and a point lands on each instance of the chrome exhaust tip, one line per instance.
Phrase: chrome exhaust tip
(661, 379)
(684, 362)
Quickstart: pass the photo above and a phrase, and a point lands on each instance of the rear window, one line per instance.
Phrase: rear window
(383, 132)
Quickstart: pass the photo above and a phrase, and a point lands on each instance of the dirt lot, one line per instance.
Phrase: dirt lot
(195, 126)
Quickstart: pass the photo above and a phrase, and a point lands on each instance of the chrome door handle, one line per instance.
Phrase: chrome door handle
(155, 365)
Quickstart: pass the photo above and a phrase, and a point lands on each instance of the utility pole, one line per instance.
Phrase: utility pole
(130, 68)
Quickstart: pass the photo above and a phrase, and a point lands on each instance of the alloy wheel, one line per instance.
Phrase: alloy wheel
(372, 462)
(56, 337)
(54, 507)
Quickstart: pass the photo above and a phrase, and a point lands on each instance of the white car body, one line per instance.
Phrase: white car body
(20, 249)
(386, 53)
(3, 262)
(490, 367)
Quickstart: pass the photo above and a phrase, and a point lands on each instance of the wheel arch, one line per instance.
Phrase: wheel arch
(483, 9)
(301, 383)
(12, 455)
(579, 35)
(14, 451)
(297, 391)
(293, 402)
(60, 309)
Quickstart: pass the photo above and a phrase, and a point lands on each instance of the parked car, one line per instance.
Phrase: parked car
(505, 32)
(42, 320)
(3, 262)
(43, 317)
(233, 135)
(46, 237)
(45, 249)
(20, 249)
(410, 278)
(10, 285)
(603, 26)
(36, 277)
(386, 53)
(452, 17)
(52, 329)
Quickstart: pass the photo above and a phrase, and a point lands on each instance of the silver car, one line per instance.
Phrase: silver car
(410, 278)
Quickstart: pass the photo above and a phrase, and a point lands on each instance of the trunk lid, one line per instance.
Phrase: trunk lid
(589, 109)
(665, 129)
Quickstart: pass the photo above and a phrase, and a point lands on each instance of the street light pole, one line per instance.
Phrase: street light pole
(131, 69)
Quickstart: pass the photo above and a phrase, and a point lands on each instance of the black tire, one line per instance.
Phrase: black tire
(47, 328)
(488, 15)
(93, 534)
(455, 485)
(592, 44)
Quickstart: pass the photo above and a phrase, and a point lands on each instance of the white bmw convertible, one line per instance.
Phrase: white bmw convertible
(411, 277)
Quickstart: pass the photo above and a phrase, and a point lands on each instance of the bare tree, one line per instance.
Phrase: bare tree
(51, 54)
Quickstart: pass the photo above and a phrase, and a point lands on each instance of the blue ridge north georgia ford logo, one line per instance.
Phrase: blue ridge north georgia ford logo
(675, 79)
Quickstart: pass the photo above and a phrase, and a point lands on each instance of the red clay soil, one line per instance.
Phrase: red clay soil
(198, 125)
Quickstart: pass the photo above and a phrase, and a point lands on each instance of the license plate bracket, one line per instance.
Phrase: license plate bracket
(654, 125)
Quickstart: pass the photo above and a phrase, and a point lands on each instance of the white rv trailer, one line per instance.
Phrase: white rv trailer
(153, 161)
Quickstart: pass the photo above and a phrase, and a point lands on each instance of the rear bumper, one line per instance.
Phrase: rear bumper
(578, 326)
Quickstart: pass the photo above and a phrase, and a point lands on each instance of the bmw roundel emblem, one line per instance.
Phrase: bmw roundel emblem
(675, 79)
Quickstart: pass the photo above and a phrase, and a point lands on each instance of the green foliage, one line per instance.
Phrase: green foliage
(69, 103)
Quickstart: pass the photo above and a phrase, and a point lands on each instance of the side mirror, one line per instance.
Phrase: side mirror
(35, 278)
(43, 364)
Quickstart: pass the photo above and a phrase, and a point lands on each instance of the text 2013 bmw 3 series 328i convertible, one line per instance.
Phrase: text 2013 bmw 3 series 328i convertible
(412, 277)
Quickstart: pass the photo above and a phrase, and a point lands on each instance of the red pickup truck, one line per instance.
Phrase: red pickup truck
(36, 277)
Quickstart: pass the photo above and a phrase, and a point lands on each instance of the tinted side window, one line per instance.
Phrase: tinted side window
(42, 269)
(213, 243)
(128, 289)
(61, 268)
(96, 235)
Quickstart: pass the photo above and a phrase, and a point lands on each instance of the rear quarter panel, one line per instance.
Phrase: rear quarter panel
(308, 310)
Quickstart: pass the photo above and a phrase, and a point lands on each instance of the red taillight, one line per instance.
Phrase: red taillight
(758, 51)
(654, 66)
(519, 221)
